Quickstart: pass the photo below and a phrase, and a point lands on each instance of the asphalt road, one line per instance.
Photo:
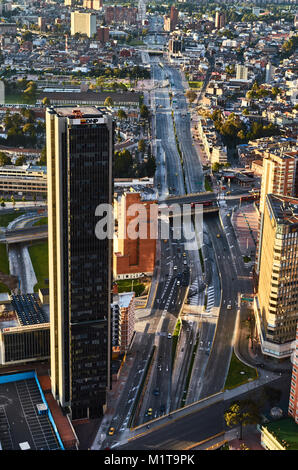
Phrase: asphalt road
(182, 433)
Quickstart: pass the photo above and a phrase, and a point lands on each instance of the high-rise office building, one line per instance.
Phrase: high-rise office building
(270, 70)
(103, 34)
(79, 163)
(170, 22)
(175, 46)
(279, 177)
(241, 72)
(276, 303)
(220, 20)
(174, 17)
(83, 23)
(293, 400)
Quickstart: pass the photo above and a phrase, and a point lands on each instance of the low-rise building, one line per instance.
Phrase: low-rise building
(90, 98)
(134, 256)
(123, 320)
(23, 180)
(24, 329)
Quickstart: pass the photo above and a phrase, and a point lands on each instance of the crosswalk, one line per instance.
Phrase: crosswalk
(194, 299)
(210, 298)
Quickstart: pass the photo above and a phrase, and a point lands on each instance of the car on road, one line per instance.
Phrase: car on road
(218, 235)
(169, 335)
(178, 283)
(156, 392)
(184, 254)
(111, 431)
(175, 267)
(229, 306)
(149, 412)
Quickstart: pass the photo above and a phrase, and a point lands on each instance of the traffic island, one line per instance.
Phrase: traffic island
(239, 373)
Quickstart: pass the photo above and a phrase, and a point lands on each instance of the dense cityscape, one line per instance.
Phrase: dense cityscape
(148, 227)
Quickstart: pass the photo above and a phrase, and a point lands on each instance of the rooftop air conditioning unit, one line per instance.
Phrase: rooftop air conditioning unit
(42, 408)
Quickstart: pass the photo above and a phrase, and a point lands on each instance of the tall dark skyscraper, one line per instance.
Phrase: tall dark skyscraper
(79, 163)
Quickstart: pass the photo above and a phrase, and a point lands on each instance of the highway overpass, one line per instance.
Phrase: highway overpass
(24, 235)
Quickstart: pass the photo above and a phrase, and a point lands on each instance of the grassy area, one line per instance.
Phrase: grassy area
(18, 98)
(285, 430)
(195, 84)
(5, 219)
(42, 221)
(175, 338)
(128, 285)
(4, 265)
(236, 376)
(39, 258)
(190, 371)
(136, 42)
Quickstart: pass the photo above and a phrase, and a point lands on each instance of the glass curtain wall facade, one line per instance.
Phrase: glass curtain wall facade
(79, 156)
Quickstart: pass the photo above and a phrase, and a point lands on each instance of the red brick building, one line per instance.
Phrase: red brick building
(103, 35)
(93, 4)
(119, 14)
(134, 257)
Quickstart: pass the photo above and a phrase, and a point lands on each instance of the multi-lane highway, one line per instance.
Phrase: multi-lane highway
(177, 269)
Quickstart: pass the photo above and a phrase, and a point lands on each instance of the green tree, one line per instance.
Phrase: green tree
(144, 111)
(151, 166)
(191, 95)
(123, 164)
(242, 412)
(141, 146)
(241, 135)
(29, 128)
(20, 161)
(43, 157)
(46, 101)
(108, 102)
(121, 114)
(216, 167)
(4, 159)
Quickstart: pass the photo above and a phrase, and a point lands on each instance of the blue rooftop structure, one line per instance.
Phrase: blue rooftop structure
(25, 419)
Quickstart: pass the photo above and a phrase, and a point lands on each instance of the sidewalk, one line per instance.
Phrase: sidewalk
(251, 354)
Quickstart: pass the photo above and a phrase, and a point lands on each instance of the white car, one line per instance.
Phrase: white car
(229, 307)
(169, 335)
